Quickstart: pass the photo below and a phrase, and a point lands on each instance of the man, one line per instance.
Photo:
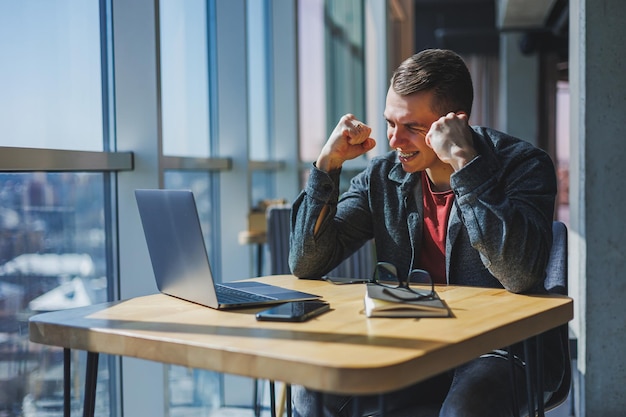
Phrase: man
(470, 205)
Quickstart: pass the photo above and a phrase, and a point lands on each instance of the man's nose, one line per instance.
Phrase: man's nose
(395, 138)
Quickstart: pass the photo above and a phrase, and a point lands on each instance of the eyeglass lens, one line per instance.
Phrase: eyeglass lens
(419, 276)
(386, 273)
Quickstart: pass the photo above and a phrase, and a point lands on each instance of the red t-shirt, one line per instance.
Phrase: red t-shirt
(437, 207)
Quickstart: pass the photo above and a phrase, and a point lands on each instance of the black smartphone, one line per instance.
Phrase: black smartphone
(294, 311)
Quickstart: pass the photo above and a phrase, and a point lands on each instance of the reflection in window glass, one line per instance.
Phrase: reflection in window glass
(184, 78)
(50, 74)
(53, 256)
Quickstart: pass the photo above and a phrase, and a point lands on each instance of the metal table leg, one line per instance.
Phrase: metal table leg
(256, 402)
(319, 404)
(67, 382)
(91, 377)
(272, 399)
(381, 405)
(356, 407)
(539, 370)
(288, 399)
(511, 358)
(257, 398)
(530, 376)
(534, 375)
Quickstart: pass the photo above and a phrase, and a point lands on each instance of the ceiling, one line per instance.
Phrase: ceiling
(474, 26)
(530, 14)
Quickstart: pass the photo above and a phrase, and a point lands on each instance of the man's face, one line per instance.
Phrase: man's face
(408, 121)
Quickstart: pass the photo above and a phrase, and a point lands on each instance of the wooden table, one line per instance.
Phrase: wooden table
(341, 351)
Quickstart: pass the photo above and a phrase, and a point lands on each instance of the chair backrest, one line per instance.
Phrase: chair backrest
(360, 264)
(556, 271)
(278, 225)
(556, 282)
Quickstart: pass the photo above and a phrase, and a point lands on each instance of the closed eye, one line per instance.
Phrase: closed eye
(416, 129)
(410, 127)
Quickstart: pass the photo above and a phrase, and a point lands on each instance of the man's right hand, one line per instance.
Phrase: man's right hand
(349, 139)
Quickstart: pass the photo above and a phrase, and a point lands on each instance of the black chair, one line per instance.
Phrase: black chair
(278, 228)
(556, 282)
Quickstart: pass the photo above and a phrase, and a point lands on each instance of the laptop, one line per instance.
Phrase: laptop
(179, 258)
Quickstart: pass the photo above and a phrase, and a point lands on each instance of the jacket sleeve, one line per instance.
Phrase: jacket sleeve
(507, 206)
(312, 255)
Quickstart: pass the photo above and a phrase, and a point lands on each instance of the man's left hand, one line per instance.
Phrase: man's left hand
(451, 139)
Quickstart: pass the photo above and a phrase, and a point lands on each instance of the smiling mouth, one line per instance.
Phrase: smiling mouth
(405, 155)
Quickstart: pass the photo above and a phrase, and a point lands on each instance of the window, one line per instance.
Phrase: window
(184, 78)
(53, 255)
(331, 75)
(56, 237)
(50, 75)
(206, 98)
(312, 75)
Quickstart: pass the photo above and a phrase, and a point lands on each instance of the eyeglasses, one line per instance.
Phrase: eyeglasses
(386, 275)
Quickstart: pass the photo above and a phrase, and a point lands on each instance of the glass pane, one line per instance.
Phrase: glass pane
(258, 87)
(312, 78)
(261, 187)
(50, 74)
(562, 149)
(184, 78)
(193, 392)
(53, 255)
(331, 72)
(345, 59)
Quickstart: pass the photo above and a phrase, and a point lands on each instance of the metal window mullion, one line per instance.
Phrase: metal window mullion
(266, 165)
(196, 164)
(35, 159)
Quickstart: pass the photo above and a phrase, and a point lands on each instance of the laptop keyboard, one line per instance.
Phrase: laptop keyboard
(228, 295)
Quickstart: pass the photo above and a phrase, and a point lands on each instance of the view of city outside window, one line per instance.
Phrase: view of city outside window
(53, 245)
(52, 256)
